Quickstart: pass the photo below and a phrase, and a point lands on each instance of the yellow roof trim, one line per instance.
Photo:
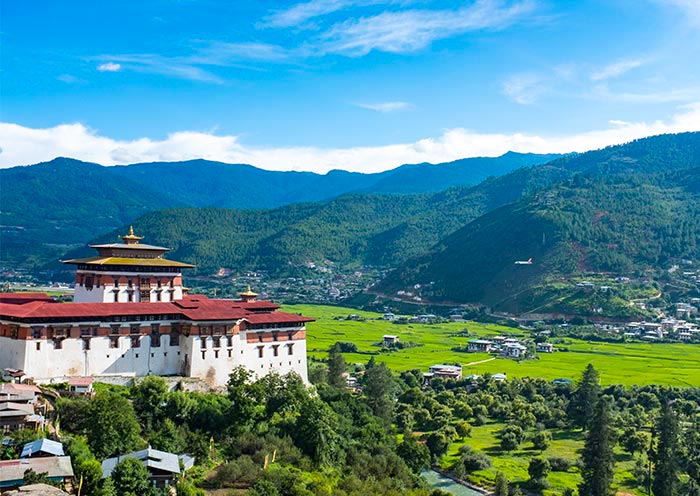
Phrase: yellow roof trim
(146, 262)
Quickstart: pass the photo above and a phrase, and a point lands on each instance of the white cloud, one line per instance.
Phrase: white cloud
(109, 67)
(22, 145)
(524, 88)
(302, 12)
(411, 30)
(690, 8)
(616, 69)
(386, 107)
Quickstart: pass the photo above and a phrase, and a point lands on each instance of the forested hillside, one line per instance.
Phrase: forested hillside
(572, 214)
(49, 208)
(620, 223)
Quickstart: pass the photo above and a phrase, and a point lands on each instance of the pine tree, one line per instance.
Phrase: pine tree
(336, 367)
(692, 448)
(598, 457)
(501, 484)
(665, 457)
(585, 398)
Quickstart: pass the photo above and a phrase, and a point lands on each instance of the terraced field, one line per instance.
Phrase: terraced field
(628, 364)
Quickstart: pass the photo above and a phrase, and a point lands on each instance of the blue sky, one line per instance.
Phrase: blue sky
(357, 84)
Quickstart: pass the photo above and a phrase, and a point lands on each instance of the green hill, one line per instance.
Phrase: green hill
(621, 223)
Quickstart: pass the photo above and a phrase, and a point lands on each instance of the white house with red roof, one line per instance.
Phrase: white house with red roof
(131, 316)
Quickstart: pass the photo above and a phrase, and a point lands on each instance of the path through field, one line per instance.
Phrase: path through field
(477, 363)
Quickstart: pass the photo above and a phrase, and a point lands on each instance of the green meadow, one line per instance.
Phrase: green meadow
(628, 363)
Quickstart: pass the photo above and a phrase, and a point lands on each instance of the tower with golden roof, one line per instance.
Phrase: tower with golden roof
(128, 272)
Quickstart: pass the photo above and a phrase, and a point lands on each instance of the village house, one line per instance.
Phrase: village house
(480, 345)
(389, 340)
(514, 350)
(445, 371)
(57, 469)
(41, 448)
(80, 386)
(163, 467)
(545, 348)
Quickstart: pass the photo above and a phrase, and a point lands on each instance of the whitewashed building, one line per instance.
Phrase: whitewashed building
(131, 316)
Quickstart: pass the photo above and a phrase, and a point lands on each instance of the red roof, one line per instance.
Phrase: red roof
(80, 381)
(20, 298)
(192, 307)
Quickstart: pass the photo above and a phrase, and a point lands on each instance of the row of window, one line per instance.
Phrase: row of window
(275, 350)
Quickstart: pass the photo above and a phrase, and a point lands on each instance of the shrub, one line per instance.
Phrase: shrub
(559, 464)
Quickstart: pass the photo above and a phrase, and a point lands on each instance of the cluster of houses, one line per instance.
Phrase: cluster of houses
(20, 408)
(507, 347)
(668, 328)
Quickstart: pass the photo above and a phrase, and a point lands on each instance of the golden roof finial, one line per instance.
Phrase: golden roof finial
(131, 238)
(248, 294)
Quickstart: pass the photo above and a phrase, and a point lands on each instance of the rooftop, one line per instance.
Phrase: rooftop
(151, 458)
(42, 446)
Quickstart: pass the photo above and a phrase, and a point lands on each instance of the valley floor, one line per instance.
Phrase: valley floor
(619, 363)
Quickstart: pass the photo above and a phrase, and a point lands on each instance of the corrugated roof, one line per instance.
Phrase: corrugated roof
(55, 466)
(42, 446)
(151, 458)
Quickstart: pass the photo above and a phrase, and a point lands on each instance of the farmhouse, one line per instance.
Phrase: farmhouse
(162, 466)
(389, 340)
(57, 469)
(446, 371)
(514, 350)
(545, 348)
(132, 316)
(480, 345)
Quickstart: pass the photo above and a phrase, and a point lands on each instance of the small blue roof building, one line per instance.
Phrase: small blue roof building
(42, 447)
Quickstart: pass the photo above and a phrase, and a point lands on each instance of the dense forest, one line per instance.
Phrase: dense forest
(619, 223)
(377, 439)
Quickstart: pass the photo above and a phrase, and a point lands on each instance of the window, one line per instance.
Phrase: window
(145, 296)
(216, 353)
(229, 341)
(86, 343)
(260, 351)
(113, 342)
(130, 296)
(260, 338)
(290, 336)
(114, 329)
(38, 346)
(203, 339)
(290, 350)
(36, 333)
(275, 351)
(155, 335)
(174, 338)
(135, 341)
(204, 354)
(229, 353)
(58, 344)
(217, 342)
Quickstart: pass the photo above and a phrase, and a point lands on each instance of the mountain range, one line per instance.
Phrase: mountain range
(52, 207)
(622, 210)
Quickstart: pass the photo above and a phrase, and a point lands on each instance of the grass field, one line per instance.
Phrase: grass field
(566, 444)
(628, 364)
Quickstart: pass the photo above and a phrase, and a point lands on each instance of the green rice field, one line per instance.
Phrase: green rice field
(628, 364)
